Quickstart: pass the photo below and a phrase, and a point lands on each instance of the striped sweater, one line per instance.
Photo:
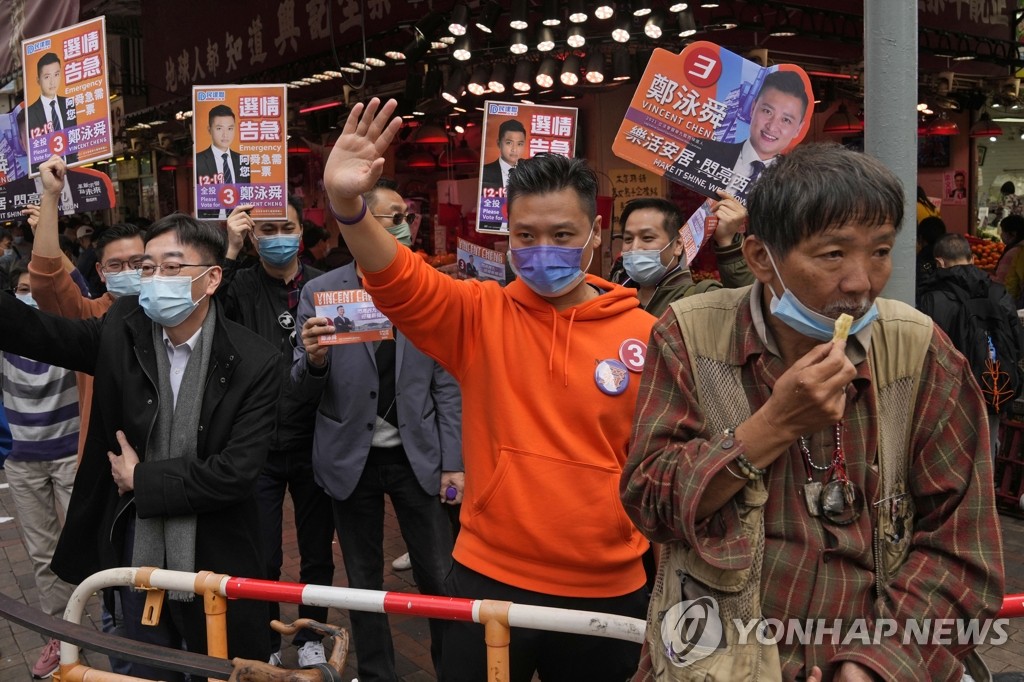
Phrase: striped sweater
(41, 402)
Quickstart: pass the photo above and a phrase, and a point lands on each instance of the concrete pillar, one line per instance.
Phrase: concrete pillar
(890, 118)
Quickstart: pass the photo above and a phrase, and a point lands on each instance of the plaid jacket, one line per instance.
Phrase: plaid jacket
(817, 571)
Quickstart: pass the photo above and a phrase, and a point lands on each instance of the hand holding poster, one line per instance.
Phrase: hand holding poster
(355, 318)
(240, 154)
(85, 189)
(68, 95)
(709, 119)
(513, 131)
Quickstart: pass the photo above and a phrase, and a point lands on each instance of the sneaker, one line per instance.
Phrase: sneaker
(275, 660)
(48, 662)
(311, 653)
(402, 563)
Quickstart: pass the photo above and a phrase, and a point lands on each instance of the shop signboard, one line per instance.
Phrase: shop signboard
(67, 95)
(85, 189)
(712, 121)
(355, 318)
(240, 154)
(514, 131)
(479, 262)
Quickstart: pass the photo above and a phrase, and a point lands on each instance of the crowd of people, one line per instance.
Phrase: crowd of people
(633, 448)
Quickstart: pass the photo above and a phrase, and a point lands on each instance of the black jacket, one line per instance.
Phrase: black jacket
(235, 425)
(258, 302)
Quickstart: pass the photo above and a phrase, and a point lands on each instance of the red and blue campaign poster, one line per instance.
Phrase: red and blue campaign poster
(710, 120)
(68, 95)
(240, 154)
(514, 131)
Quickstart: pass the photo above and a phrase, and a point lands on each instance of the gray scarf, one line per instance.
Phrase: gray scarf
(170, 541)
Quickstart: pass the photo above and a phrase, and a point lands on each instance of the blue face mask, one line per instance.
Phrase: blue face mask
(810, 323)
(279, 249)
(644, 266)
(550, 271)
(27, 300)
(168, 300)
(124, 283)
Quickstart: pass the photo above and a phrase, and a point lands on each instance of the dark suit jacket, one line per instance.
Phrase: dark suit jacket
(37, 119)
(343, 324)
(428, 401)
(491, 176)
(235, 427)
(207, 165)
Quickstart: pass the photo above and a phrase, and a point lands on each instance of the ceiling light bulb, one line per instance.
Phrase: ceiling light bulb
(575, 38)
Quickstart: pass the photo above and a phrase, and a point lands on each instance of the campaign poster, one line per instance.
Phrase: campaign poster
(478, 262)
(68, 95)
(513, 131)
(954, 187)
(710, 120)
(240, 155)
(85, 189)
(355, 318)
(13, 150)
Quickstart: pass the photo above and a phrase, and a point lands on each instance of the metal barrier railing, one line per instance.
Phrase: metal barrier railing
(497, 617)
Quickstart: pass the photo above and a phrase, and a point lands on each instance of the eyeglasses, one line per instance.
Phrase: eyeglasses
(396, 218)
(168, 269)
(114, 266)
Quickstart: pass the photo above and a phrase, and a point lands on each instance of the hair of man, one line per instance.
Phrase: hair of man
(511, 125)
(787, 82)
(816, 188)
(311, 236)
(931, 229)
(673, 218)
(205, 237)
(46, 60)
(114, 233)
(953, 248)
(1013, 224)
(220, 110)
(545, 173)
(382, 183)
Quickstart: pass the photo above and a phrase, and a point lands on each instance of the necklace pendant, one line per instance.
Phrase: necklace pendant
(812, 496)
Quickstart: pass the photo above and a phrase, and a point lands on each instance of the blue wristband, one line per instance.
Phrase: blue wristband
(348, 221)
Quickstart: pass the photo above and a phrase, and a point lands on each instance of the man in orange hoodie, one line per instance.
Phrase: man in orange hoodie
(549, 372)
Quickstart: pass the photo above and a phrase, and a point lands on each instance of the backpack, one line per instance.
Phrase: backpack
(992, 340)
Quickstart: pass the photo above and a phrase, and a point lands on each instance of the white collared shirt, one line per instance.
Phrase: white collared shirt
(178, 357)
(742, 170)
(49, 112)
(505, 168)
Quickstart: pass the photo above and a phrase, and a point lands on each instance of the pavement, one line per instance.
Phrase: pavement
(20, 647)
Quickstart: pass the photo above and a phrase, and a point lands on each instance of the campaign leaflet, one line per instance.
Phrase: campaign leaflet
(477, 262)
(85, 189)
(711, 120)
(240, 155)
(355, 318)
(68, 95)
(513, 131)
